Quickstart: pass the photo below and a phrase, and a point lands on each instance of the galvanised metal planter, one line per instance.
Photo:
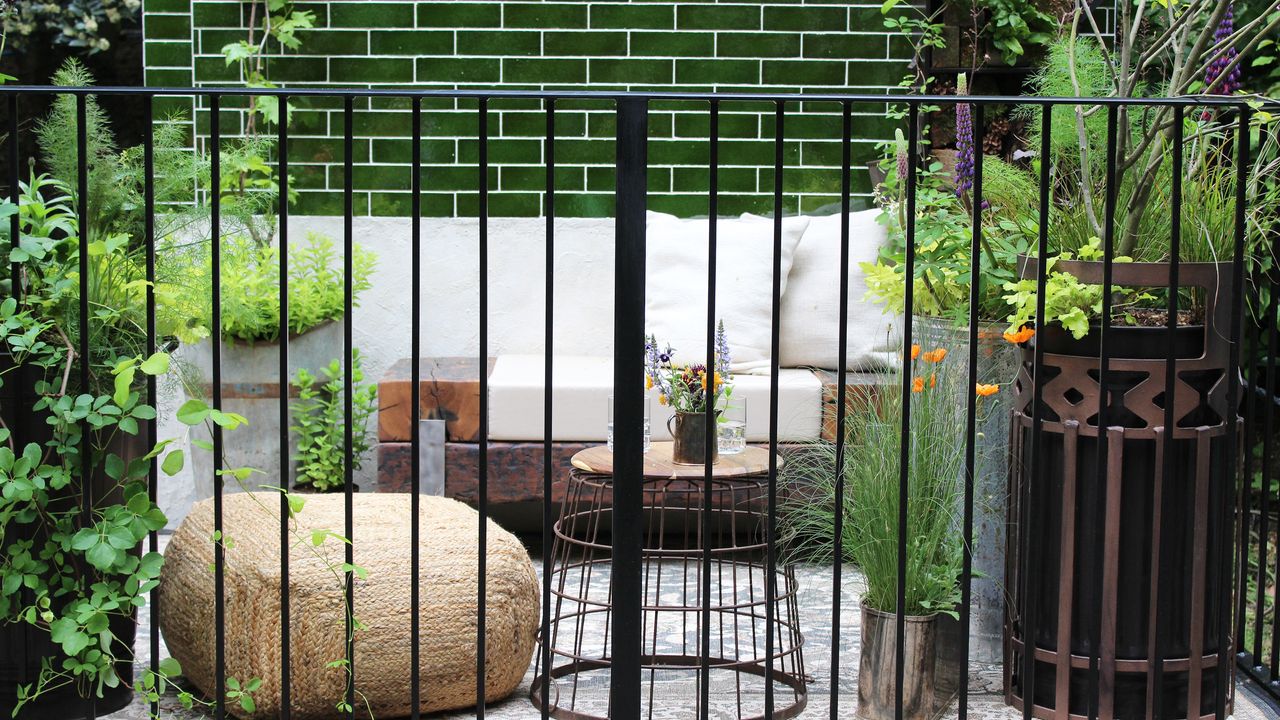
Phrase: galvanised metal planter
(877, 680)
(1120, 524)
(252, 387)
(997, 364)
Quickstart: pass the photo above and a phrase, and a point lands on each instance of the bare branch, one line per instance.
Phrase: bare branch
(1086, 181)
(1097, 34)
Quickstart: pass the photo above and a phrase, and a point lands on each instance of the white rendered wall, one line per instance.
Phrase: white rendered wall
(450, 303)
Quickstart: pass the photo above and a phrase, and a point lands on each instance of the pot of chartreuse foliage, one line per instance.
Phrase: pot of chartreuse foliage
(1089, 524)
(250, 363)
(320, 427)
(869, 539)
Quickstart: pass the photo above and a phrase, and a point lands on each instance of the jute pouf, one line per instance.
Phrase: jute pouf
(447, 618)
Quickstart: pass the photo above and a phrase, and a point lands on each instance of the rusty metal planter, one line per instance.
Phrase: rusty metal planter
(1123, 549)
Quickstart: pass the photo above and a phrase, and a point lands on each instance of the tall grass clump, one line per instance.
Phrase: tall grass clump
(934, 548)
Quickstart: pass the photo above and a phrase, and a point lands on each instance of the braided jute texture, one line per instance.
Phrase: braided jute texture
(447, 618)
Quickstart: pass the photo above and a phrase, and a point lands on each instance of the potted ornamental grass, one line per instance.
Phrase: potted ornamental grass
(870, 530)
(941, 284)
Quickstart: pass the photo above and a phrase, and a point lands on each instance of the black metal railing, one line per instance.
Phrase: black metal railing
(1257, 627)
(1215, 582)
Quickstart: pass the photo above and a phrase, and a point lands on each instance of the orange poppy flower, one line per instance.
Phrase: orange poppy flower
(1021, 336)
(915, 351)
(917, 385)
(933, 380)
(985, 390)
(936, 355)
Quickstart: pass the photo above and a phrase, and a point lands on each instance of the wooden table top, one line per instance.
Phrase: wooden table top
(658, 464)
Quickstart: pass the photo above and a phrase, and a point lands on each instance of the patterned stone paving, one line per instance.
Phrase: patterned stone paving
(815, 601)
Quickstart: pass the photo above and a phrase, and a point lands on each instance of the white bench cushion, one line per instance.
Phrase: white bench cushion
(581, 387)
(810, 327)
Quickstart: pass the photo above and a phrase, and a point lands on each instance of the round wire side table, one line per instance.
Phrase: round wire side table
(672, 605)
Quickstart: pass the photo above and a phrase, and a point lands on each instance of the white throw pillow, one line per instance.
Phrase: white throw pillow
(676, 287)
(811, 305)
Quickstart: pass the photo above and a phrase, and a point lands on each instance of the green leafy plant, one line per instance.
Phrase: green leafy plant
(320, 427)
(249, 180)
(1013, 25)
(81, 25)
(48, 253)
(923, 31)
(1157, 49)
(1067, 301)
(270, 21)
(870, 528)
(251, 286)
(944, 235)
(68, 569)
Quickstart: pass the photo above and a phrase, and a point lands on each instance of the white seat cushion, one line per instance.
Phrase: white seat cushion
(809, 335)
(676, 284)
(581, 387)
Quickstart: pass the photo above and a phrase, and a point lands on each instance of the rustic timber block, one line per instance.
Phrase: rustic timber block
(449, 390)
(515, 470)
(858, 386)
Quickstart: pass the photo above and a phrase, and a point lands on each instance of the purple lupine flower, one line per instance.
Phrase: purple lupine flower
(655, 362)
(1215, 82)
(900, 155)
(964, 140)
(723, 357)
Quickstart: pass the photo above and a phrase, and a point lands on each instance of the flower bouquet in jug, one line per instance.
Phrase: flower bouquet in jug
(689, 390)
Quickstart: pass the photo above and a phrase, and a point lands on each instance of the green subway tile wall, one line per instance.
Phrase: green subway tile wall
(776, 46)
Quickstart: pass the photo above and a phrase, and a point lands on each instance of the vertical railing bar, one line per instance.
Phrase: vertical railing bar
(1264, 504)
(1242, 498)
(415, 413)
(771, 530)
(971, 410)
(15, 196)
(1037, 422)
(628, 368)
(548, 466)
(1155, 698)
(842, 355)
(282, 142)
(904, 441)
(348, 349)
(219, 548)
(82, 206)
(1268, 400)
(1225, 526)
(1269, 429)
(1101, 667)
(483, 531)
(713, 210)
(149, 251)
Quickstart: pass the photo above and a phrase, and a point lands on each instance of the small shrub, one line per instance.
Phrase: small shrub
(320, 424)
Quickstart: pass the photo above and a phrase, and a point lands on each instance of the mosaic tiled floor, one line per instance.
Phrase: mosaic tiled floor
(675, 696)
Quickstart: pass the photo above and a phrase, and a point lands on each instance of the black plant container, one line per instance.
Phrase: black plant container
(25, 647)
(1115, 559)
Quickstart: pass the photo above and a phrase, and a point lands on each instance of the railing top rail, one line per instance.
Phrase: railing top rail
(1185, 100)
